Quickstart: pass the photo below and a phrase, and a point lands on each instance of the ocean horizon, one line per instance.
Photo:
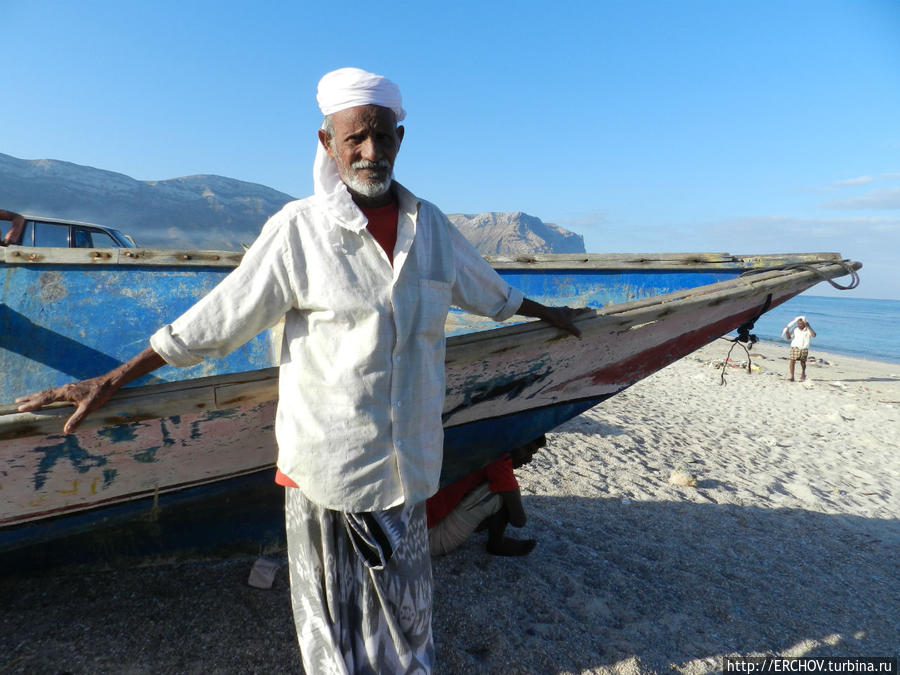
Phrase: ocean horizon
(860, 327)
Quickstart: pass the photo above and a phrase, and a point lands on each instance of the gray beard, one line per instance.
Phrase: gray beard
(366, 188)
(369, 188)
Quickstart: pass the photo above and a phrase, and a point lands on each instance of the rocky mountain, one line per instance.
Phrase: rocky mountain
(204, 212)
(516, 233)
(213, 212)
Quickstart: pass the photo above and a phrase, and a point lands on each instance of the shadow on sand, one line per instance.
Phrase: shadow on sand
(653, 585)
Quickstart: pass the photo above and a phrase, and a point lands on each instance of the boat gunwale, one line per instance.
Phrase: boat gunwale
(150, 257)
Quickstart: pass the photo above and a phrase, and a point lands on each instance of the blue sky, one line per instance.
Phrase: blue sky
(748, 127)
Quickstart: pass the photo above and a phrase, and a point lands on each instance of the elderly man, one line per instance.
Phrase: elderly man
(799, 337)
(363, 273)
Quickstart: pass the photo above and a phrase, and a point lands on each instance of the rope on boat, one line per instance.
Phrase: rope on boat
(845, 263)
(744, 335)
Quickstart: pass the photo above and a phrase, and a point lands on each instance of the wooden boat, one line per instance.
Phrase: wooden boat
(163, 454)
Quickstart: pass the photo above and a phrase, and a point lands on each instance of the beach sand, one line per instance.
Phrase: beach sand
(786, 544)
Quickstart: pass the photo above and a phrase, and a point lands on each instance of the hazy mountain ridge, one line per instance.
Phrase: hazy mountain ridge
(517, 232)
(204, 211)
(215, 212)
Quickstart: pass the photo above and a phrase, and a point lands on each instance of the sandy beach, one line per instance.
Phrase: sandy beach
(780, 535)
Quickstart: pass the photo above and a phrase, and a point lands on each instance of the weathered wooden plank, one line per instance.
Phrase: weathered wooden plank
(651, 261)
(590, 261)
(245, 393)
(594, 258)
(788, 258)
(146, 256)
(29, 255)
(217, 392)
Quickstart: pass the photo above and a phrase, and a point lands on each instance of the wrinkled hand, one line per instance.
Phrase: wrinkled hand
(86, 396)
(564, 318)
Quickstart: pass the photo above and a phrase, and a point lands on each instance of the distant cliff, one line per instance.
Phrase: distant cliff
(213, 212)
(516, 233)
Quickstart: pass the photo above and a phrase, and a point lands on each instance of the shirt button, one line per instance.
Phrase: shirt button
(399, 404)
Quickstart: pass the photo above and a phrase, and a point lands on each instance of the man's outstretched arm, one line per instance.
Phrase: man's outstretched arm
(561, 317)
(89, 395)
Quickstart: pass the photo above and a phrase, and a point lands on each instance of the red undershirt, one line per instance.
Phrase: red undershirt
(383, 226)
(499, 475)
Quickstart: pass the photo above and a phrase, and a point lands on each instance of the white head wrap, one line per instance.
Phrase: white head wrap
(338, 90)
(786, 331)
(349, 87)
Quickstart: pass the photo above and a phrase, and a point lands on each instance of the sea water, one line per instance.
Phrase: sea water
(868, 329)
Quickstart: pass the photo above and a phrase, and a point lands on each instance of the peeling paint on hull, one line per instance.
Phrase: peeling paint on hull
(62, 323)
(54, 475)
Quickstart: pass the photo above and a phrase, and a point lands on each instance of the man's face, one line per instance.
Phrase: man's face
(801, 324)
(364, 143)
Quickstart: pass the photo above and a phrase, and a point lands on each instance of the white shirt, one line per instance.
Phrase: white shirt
(800, 338)
(361, 382)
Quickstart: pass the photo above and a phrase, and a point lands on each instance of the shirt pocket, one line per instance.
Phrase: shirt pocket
(434, 303)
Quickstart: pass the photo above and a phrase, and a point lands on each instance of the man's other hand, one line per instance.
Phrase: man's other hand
(564, 318)
(86, 396)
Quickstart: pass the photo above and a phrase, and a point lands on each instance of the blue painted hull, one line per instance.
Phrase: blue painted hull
(60, 323)
(599, 288)
(63, 321)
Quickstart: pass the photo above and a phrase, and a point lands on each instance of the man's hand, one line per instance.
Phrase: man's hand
(561, 317)
(86, 396)
(564, 317)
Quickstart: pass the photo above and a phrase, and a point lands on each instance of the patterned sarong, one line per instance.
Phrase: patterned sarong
(360, 588)
(798, 354)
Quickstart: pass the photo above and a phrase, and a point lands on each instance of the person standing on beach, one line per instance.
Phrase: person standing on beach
(363, 273)
(799, 332)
